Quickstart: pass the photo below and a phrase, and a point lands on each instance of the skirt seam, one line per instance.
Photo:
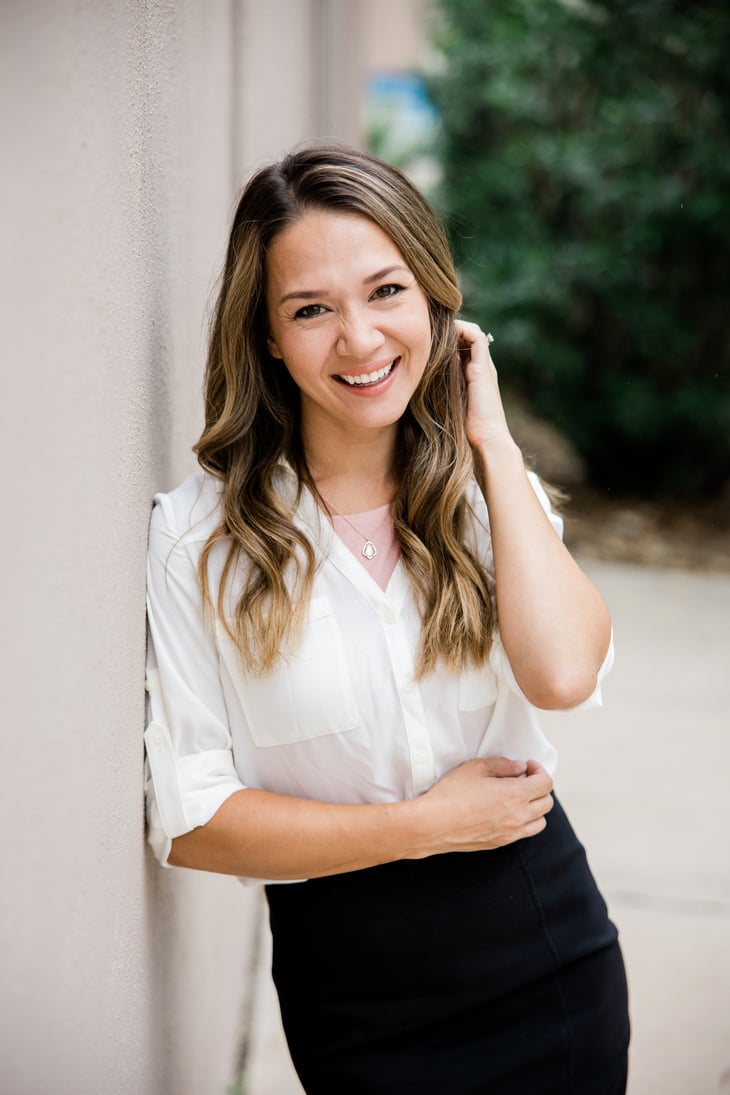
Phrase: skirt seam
(570, 1032)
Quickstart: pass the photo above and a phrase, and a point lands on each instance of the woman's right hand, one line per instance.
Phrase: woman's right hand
(484, 804)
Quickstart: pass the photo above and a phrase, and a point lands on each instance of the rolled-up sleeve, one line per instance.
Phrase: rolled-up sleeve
(503, 668)
(189, 769)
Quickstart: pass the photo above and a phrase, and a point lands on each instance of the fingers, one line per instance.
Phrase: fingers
(470, 332)
(535, 827)
(538, 781)
(535, 790)
(472, 340)
(502, 768)
(542, 806)
(486, 803)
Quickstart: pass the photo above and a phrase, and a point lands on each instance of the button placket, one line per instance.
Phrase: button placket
(414, 715)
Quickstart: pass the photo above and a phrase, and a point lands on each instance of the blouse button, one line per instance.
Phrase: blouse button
(157, 738)
(389, 616)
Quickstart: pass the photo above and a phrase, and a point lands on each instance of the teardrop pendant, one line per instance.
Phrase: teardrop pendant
(369, 550)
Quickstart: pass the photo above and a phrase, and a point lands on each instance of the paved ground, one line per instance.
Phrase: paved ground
(645, 781)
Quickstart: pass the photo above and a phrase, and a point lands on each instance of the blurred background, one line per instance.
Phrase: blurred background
(578, 153)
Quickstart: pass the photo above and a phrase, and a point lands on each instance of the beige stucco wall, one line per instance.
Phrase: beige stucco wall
(395, 34)
(126, 127)
(118, 115)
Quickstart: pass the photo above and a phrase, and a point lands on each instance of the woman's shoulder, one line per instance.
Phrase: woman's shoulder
(191, 511)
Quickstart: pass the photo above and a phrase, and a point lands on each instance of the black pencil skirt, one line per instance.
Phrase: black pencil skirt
(482, 973)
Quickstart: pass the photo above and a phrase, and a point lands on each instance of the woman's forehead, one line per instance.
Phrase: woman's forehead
(321, 245)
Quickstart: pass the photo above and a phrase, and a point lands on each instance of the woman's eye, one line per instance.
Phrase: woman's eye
(385, 291)
(309, 311)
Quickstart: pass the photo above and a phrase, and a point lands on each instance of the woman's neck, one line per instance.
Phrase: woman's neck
(354, 476)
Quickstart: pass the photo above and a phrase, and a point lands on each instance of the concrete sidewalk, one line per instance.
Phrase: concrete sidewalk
(645, 782)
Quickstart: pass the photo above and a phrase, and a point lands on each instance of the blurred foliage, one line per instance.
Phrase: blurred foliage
(586, 160)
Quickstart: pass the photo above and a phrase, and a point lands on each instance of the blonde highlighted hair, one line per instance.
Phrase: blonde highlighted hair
(252, 422)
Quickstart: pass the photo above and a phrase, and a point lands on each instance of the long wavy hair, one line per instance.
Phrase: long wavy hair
(252, 423)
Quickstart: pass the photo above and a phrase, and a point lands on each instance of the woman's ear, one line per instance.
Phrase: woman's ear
(273, 348)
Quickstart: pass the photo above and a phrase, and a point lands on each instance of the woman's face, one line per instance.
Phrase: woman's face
(350, 322)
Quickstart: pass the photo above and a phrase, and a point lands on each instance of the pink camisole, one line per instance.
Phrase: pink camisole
(377, 525)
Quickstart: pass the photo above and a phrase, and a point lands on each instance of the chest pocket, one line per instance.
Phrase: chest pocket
(477, 688)
(308, 694)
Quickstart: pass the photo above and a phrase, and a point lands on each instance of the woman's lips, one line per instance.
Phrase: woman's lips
(368, 379)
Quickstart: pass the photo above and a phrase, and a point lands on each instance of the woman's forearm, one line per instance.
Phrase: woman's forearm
(261, 834)
(553, 622)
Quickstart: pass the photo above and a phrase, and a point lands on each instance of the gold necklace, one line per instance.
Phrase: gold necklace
(369, 549)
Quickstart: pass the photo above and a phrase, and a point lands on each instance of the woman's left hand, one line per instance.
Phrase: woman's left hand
(485, 419)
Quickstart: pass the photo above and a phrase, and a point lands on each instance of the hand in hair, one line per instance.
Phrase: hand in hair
(486, 424)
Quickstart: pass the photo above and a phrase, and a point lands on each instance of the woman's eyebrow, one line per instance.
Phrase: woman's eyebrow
(313, 294)
(385, 271)
(303, 294)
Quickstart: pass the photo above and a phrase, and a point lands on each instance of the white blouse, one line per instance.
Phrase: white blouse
(340, 720)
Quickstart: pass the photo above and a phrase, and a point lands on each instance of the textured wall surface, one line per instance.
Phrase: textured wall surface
(122, 143)
(127, 128)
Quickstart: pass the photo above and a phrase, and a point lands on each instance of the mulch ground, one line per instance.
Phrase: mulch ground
(667, 534)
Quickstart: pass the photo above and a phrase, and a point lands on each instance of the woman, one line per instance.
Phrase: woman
(333, 704)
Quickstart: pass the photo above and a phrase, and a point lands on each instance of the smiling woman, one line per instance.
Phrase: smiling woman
(333, 702)
(358, 352)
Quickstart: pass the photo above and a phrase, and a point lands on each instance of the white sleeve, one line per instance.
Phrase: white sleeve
(542, 496)
(498, 655)
(189, 770)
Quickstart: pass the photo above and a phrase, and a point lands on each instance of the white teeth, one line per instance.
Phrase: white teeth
(368, 378)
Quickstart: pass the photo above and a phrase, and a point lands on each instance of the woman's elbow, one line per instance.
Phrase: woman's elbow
(181, 852)
(194, 850)
(559, 691)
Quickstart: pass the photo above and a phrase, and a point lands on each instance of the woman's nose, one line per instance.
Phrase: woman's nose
(359, 336)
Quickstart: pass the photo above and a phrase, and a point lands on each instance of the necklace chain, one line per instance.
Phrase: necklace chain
(369, 549)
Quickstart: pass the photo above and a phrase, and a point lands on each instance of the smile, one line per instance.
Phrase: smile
(365, 379)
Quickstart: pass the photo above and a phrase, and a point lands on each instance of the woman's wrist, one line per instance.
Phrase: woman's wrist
(502, 455)
(402, 829)
(416, 828)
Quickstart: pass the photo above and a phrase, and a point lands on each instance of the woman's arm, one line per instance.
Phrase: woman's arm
(260, 834)
(553, 622)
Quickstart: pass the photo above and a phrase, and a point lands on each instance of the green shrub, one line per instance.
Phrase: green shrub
(586, 157)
